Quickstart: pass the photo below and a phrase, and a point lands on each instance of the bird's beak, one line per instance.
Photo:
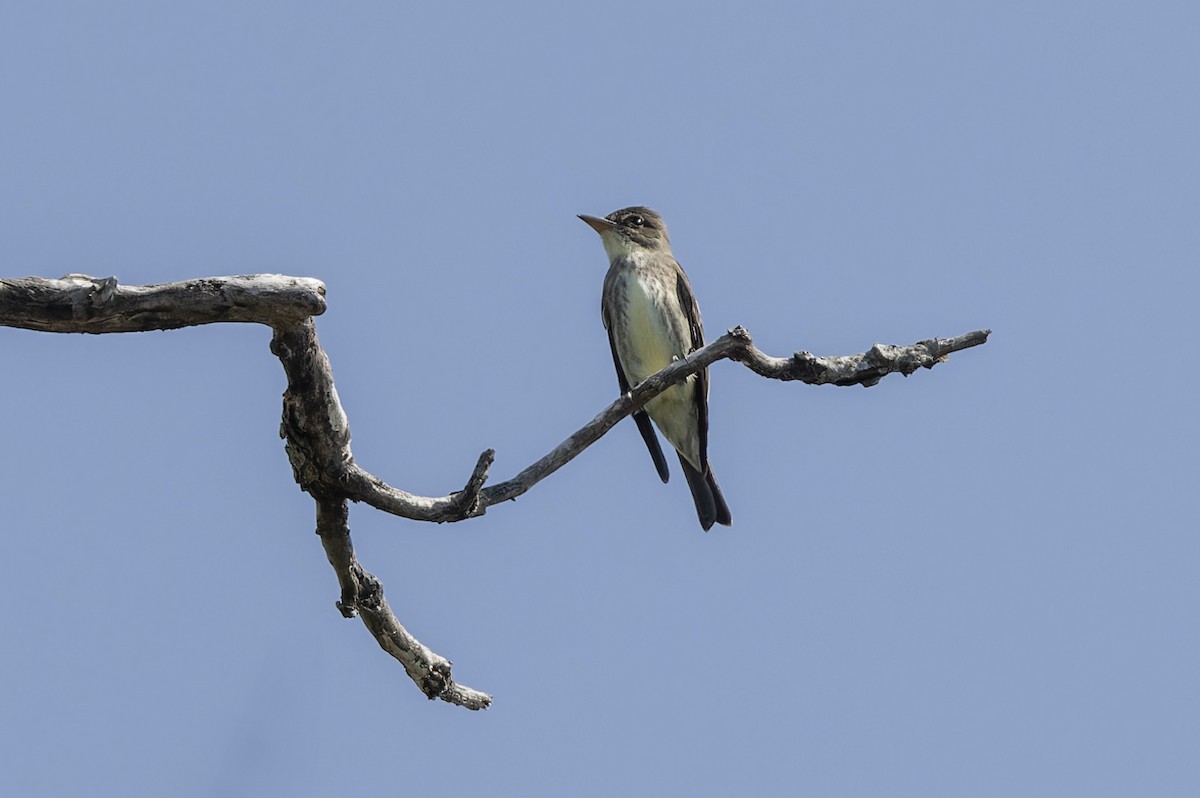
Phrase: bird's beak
(601, 226)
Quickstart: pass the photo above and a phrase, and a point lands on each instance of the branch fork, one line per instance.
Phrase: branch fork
(316, 430)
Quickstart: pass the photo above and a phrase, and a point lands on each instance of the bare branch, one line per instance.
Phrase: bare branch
(318, 438)
(362, 594)
(865, 369)
(315, 426)
(317, 432)
(82, 304)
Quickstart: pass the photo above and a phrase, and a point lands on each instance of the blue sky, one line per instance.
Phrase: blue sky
(980, 580)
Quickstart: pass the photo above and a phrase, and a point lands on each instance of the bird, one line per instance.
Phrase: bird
(652, 319)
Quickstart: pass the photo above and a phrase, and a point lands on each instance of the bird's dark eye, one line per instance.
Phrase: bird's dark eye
(637, 221)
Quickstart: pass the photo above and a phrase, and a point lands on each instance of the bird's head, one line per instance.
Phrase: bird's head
(630, 229)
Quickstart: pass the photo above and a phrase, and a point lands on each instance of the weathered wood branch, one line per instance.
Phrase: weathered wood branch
(864, 369)
(315, 427)
(78, 303)
(317, 432)
(362, 594)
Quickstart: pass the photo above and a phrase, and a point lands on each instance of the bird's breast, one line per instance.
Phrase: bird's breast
(649, 331)
(648, 338)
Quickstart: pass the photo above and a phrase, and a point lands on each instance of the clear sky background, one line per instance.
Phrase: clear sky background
(978, 581)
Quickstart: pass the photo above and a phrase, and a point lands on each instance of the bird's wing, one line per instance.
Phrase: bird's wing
(640, 417)
(687, 301)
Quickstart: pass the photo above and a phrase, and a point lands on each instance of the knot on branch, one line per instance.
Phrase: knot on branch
(90, 294)
(368, 593)
(741, 334)
(354, 593)
(437, 680)
(905, 360)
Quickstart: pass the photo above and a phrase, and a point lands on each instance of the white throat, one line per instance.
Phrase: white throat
(618, 246)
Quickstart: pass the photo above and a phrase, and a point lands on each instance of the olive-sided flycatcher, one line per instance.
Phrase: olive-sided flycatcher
(652, 320)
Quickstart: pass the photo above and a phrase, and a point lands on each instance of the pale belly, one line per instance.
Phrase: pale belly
(649, 344)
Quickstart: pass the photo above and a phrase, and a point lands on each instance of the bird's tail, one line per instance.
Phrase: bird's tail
(710, 504)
